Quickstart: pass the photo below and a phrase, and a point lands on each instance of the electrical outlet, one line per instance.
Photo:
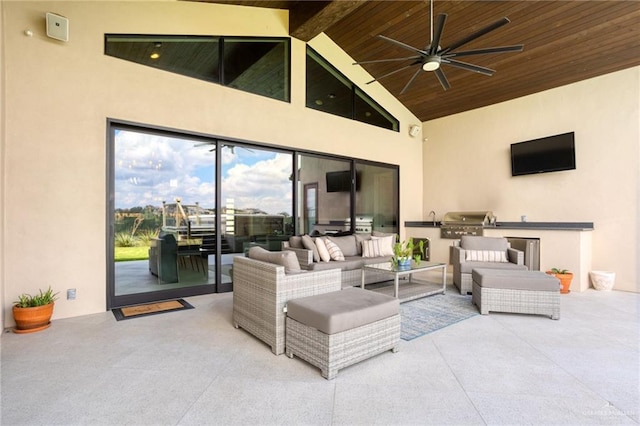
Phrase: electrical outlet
(71, 294)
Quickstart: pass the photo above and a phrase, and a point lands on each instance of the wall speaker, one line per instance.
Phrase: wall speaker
(414, 130)
(57, 27)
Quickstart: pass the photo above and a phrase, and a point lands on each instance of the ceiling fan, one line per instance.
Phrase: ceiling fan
(433, 55)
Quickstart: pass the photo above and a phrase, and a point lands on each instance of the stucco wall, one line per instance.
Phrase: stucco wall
(59, 96)
(467, 165)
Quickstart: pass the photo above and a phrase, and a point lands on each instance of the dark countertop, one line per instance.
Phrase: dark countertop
(553, 226)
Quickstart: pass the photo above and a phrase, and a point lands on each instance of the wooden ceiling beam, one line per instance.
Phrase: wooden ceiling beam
(307, 19)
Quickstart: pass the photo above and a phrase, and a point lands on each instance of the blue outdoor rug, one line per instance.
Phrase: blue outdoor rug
(426, 315)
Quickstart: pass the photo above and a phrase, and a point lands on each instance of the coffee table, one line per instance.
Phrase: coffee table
(391, 270)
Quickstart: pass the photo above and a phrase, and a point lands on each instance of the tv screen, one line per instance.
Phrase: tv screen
(339, 181)
(550, 154)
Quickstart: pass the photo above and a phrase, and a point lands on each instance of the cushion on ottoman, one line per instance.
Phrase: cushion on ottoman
(338, 311)
(515, 279)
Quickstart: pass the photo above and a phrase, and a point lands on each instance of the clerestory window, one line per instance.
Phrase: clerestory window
(328, 90)
(259, 65)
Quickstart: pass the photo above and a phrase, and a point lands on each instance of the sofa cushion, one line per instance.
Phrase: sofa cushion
(347, 244)
(486, 256)
(515, 280)
(295, 242)
(285, 258)
(309, 244)
(467, 267)
(475, 242)
(343, 310)
(348, 264)
(334, 250)
(322, 250)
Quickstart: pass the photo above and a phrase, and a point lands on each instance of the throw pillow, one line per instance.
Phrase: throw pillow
(386, 244)
(286, 258)
(359, 239)
(485, 256)
(371, 248)
(334, 250)
(309, 244)
(322, 250)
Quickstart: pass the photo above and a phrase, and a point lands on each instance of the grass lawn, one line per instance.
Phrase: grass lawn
(123, 254)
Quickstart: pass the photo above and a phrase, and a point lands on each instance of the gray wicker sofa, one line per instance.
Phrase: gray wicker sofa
(261, 289)
(354, 257)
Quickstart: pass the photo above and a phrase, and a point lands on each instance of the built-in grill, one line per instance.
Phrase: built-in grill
(364, 224)
(456, 224)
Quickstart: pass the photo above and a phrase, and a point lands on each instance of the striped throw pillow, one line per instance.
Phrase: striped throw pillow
(486, 256)
(334, 251)
(371, 248)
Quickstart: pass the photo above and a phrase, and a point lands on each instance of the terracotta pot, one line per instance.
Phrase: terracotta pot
(565, 280)
(29, 320)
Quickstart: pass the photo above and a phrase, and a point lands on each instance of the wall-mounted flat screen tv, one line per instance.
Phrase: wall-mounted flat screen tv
(550, 154)
(340, 181)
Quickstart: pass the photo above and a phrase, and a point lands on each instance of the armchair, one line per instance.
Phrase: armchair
(261, 291)
(481, 252)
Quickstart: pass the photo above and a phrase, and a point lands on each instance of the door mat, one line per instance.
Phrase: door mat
(138, 311)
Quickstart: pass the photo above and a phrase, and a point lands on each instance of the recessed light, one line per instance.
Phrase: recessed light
(154, 55)
(319, 102)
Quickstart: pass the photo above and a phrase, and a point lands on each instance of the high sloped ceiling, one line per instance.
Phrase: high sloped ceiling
(564, 42)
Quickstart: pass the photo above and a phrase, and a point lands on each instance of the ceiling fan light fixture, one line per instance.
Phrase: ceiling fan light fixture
(431, 64)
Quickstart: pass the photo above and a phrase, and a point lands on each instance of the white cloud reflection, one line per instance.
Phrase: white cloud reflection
(150, 169)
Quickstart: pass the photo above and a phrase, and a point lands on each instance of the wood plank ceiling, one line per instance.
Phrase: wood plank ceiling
(565, 41)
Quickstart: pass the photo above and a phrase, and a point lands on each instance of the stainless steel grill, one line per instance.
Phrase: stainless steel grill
(457, 224)
(364, 224)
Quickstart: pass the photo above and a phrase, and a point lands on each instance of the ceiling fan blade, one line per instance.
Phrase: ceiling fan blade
(442, 79)
(442, 19)
(387, 60)
(469, 67)
(514, 48)
(475, 35)
(406, 86)
(403, 45)
(392, 72)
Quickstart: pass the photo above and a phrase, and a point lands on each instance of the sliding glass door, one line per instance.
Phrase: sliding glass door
(182, 206)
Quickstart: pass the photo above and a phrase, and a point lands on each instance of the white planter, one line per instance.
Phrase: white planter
(602, 280)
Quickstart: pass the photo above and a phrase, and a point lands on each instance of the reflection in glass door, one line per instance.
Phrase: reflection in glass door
(163, 216)
(256, 201)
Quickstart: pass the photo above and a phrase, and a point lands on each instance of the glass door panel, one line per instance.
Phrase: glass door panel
(332, 178)
(257, 195)
(163, 215)
(377, 197)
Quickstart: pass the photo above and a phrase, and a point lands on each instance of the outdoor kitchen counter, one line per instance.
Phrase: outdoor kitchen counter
(556, 226)
(564, 245)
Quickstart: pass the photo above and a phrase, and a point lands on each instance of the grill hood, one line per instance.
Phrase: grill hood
(478, 218)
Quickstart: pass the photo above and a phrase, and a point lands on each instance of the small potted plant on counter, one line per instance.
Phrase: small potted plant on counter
(403, 252)
(565, 278)
(33, 313)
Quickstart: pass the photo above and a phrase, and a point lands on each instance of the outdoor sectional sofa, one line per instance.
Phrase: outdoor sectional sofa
(356, 250)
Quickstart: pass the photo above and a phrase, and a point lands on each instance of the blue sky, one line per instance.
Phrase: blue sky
(151, 168)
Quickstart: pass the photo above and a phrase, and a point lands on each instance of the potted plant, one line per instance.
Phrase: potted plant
(565, 278)
(403, 252)
(33, 313)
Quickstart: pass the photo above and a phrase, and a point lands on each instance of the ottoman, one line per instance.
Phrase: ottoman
(337, 329)
(521, 292)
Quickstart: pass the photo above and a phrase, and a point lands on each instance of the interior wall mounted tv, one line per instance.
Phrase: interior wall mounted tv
(340, 181)
(550, 154)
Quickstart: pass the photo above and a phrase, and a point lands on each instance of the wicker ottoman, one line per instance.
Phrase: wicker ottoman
(338, 329)
(520, 292)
